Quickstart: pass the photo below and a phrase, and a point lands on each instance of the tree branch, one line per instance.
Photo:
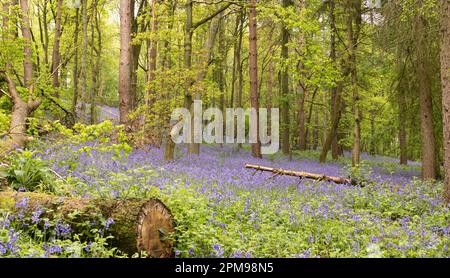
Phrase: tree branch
(211, 16)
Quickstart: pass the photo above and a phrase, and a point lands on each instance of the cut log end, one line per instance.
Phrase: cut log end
(139, 225)
(155, 224)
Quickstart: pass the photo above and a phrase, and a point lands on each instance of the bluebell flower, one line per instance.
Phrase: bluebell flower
(108, 223)
(35, 217)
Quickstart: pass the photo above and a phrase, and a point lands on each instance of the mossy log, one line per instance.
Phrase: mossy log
(139, 225)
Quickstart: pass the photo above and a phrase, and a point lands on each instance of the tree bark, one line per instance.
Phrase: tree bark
(253, 72)
(188, 100)
(445, 81)
(152, 55)
(56, 56)
(302, 119)
(426, 110)
(354, 10)
(302, 139)
(17, 136)
(84, 61)
(135, 50)
(169, 147)
(75, 63)
(286, 147)
(332, 133)
(335, 109)
(125, 57)
(28, 56)
(139, 225)
(315, 142)
(96, 77)
(401, 100)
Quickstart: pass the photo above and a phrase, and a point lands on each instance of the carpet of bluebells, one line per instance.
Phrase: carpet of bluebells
(224, 210)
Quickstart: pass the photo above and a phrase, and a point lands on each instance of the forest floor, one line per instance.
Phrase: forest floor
(222, 209)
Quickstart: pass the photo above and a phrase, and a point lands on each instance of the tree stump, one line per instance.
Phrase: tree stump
(139, 225)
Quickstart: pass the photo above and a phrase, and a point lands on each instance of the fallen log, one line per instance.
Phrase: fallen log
(139, 225)
(306, 175)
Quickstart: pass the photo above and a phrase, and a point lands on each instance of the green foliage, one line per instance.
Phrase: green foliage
(27, 172)
(4, 122)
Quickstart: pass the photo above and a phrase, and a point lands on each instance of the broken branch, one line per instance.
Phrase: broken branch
(312, 176)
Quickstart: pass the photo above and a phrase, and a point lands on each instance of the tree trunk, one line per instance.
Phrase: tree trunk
(56, 57)
(43, 29)
(75, 64)
(426, 110)
(401, 100)
(236, 57)
(169, 147)
(139, 225)
(302, 119)
(325, 118)
(373, 139)
(253, 72)
(28, 56)
(21, 110)
(335, 109)
(188, 99)
(354, 10)
(315, 143)
(125, 57)
(152, 55)
(332, 133)
(96, 78)
(286, 147)
(84, 61)
(445, 77)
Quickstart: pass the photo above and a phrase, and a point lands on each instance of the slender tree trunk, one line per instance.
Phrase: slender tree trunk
(135, 50)
(240, 68)
(308, 119)
(334, 92)
(43, 29)
(401, 100)
(152, 55)
(96, 77)
(237, 56)
(169, 147)
(302, 119)
(125, 57)
(84, 61)
(28, 56)
(220, 68)
(240, 64)
(286, 147)
(354, 11)
(426, 110)
(269, 95)
(253, 72)
(373, 141)
(332, 133)
(56, 56)
(75, 64)
(445, 77)
(325, 118)
(315, 143)
(188, 100)
(302, 139)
